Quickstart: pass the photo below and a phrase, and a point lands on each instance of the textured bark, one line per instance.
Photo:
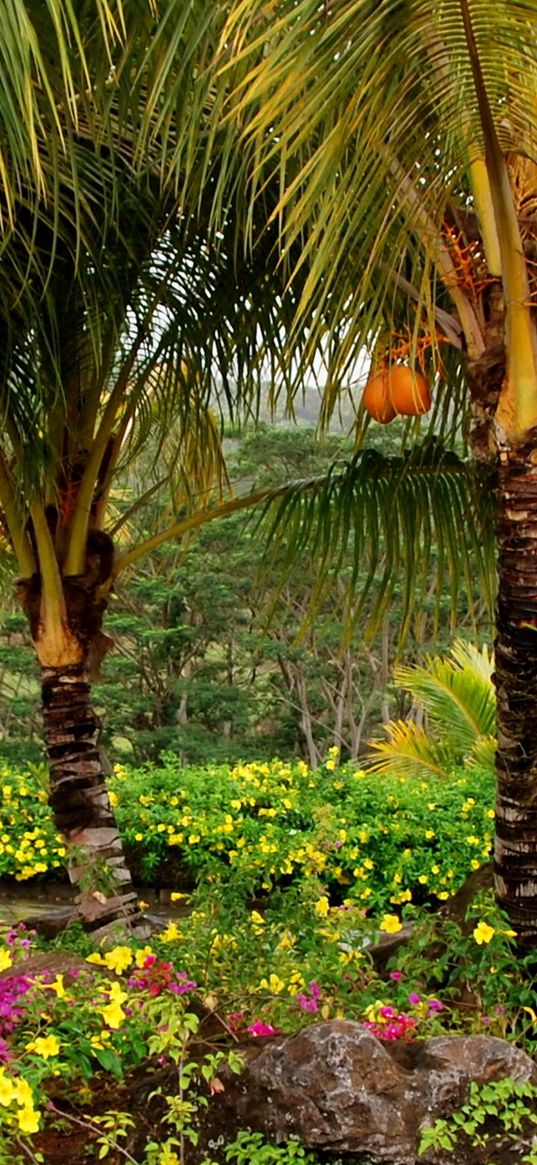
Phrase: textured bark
(516, 687)
(81, 805)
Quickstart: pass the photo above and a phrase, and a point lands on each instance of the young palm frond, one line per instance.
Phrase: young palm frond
(456, 693)
(457, 696)
(409, 752)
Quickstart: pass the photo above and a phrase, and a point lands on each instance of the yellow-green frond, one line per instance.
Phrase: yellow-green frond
(409, 752)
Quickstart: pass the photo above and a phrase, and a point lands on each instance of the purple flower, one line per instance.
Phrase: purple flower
(11, 1010)
(435, 1005)
(396, 976)
(413, 997)
(306, 1003)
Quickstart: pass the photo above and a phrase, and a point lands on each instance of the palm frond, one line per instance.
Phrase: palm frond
(482, 753)
(403, 521)
(407, 753)
(457, 694)
(372, 122)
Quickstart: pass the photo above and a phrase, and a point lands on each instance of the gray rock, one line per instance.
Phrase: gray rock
(339, 1089)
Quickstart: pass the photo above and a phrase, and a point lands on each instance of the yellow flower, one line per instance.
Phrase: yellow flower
(57, 986)
(99, 1041)
(23, 1093)
(175, 896)
(5, 960)
(141, 955)
(7, 1089)
(483, 932)
(168, 1157)
(113, 1014)
(115, 992)
(118, 959)
(274, 984)
(96, 958)
(390, 924)
(321, 906)
(286, 942)
(28, 1120)
(171, 934)
(45, 1046)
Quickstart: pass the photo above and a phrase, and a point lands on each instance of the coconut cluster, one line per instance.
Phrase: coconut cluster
(396, 391)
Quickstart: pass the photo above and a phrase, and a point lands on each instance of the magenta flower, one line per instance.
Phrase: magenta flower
(306, 1003)
(413, 997)
(262, 1029)
(309, 1002)
(396, 976)
(435, 1005)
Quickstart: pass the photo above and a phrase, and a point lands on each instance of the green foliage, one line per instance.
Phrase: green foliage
(252, 1149)
(258, 825)
(456, 696)
(199, 669)
(502, 1108)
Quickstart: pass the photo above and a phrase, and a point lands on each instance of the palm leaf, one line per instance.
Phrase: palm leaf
(457, 695)
(372, 122)
(401, 520)
(408, 753)
(482, 753)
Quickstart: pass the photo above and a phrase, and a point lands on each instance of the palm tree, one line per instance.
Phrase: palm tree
(147, 274)
(405, 142)
(134, 286)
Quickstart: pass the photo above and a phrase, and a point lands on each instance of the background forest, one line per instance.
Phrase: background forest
(215, 658)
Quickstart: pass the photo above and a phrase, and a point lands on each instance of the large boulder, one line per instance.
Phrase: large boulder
(339, 1089)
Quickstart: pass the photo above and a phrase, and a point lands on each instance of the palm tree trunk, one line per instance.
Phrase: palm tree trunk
(516, 687)
(81, 805)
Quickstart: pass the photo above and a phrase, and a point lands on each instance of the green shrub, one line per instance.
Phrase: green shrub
(374, 842)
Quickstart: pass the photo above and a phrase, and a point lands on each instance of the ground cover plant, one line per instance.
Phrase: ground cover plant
(289, 880)
(72, 1039)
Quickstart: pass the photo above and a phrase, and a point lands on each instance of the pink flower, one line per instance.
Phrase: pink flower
(305, 1003)
(396, 976)
(310, 1002)
(435, 1005)
(414, 997)
(262, 1029)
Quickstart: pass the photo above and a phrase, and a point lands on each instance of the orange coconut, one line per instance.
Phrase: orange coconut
(408, 391)
(376, 400)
